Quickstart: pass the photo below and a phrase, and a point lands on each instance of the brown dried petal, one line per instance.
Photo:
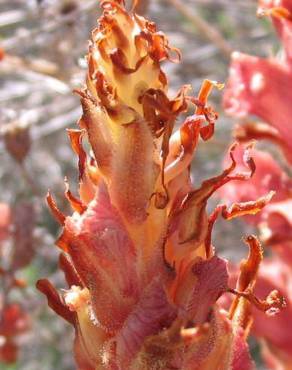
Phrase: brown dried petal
(17, 141)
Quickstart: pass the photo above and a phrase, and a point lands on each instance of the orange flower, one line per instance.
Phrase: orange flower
(137, 253)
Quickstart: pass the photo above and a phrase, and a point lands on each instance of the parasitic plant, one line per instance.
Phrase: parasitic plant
(137, 252)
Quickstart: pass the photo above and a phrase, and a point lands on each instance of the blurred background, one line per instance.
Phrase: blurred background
(42, 49)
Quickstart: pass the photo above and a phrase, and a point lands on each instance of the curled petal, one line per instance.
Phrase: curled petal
(70, 272)
(75, 137)
(236, 210)
(272, 305)
(240, 311)
(86, 187)
(75, 203)
(181, 144)
(210, 115)
(55, 301)
(250, 266)
(59, 216)
(189, 216)
(268, 176)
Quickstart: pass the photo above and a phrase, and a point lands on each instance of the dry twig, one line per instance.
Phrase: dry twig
(208, 31)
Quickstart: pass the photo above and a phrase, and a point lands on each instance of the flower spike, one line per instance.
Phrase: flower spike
(136, 253)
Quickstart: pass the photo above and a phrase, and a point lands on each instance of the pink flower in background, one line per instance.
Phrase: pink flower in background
(281, 13)
(13, 322)
(16, 251)
(276, 331)
(5, 221)
(263, 87)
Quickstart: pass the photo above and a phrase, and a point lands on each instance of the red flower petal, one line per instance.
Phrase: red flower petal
(261, 87)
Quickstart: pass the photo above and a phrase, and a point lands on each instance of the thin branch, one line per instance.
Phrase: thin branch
(32, 185)
(210, 32)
